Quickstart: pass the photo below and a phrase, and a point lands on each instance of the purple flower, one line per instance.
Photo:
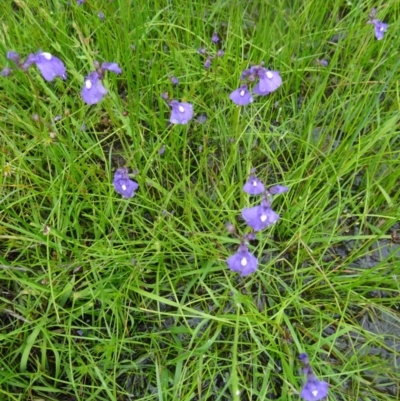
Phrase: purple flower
(123, 184)
(113, 67)
(278, 189)
(31, 59)
(207, 63)
(101, 15)
(380, 28)
(50, 66)
(220, 53)
(243, 261)
(313, 389)
(323, 62)
(181, 112)
(202, 118)
(80, 2)
(215, 38)
(5, 72)
(164, 95)
(93, 90)
(304, 359)
(201, 50)
(250, 73)
(14, 56)
(254, 186)
(269, 82)
(260, 217)
(174, 81)
(241, 96)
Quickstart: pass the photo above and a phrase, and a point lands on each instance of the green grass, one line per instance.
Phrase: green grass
(132, 299)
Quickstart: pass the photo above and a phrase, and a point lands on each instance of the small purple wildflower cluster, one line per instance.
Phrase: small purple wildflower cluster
(50, 66)
(210, 55)
(268, 82)
(379, 27)
(258, 218)
(262, 216)
(93, 90)
(313, 389)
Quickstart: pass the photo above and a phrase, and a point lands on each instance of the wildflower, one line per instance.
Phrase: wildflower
(220, 53)
(93, 90)
(181, 112)
(230, 228)
(202, 118)
(249, 73)
(164, 95)
(15, 57)
(80, 2)
(174, 81)
(113, 67)
(50, 66)
(5, 72)
(215, 38)
(162, 150)
(249, 237)
(123, 184)
(379, 27)
(207, 63)
(313, 389)
(322, 62)
(260, 217)
(101, 15)
(241, 96)
(254, 186)
(201, 50)
(278, 189)
(269, 82)
(243, 261)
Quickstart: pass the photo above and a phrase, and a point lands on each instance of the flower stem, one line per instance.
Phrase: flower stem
(36, 99)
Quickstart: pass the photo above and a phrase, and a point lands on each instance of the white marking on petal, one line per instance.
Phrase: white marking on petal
(242, 92)
(270, 75)
(314, 393)
(255, 183)
(88, 84)
(184, 121)
(181, 109)
(123, 187)
(47, 56)
(263, 217)
(382, 29)
(243, 262)
(174, 121)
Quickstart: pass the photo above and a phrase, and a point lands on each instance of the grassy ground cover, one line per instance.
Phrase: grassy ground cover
(106, 298)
